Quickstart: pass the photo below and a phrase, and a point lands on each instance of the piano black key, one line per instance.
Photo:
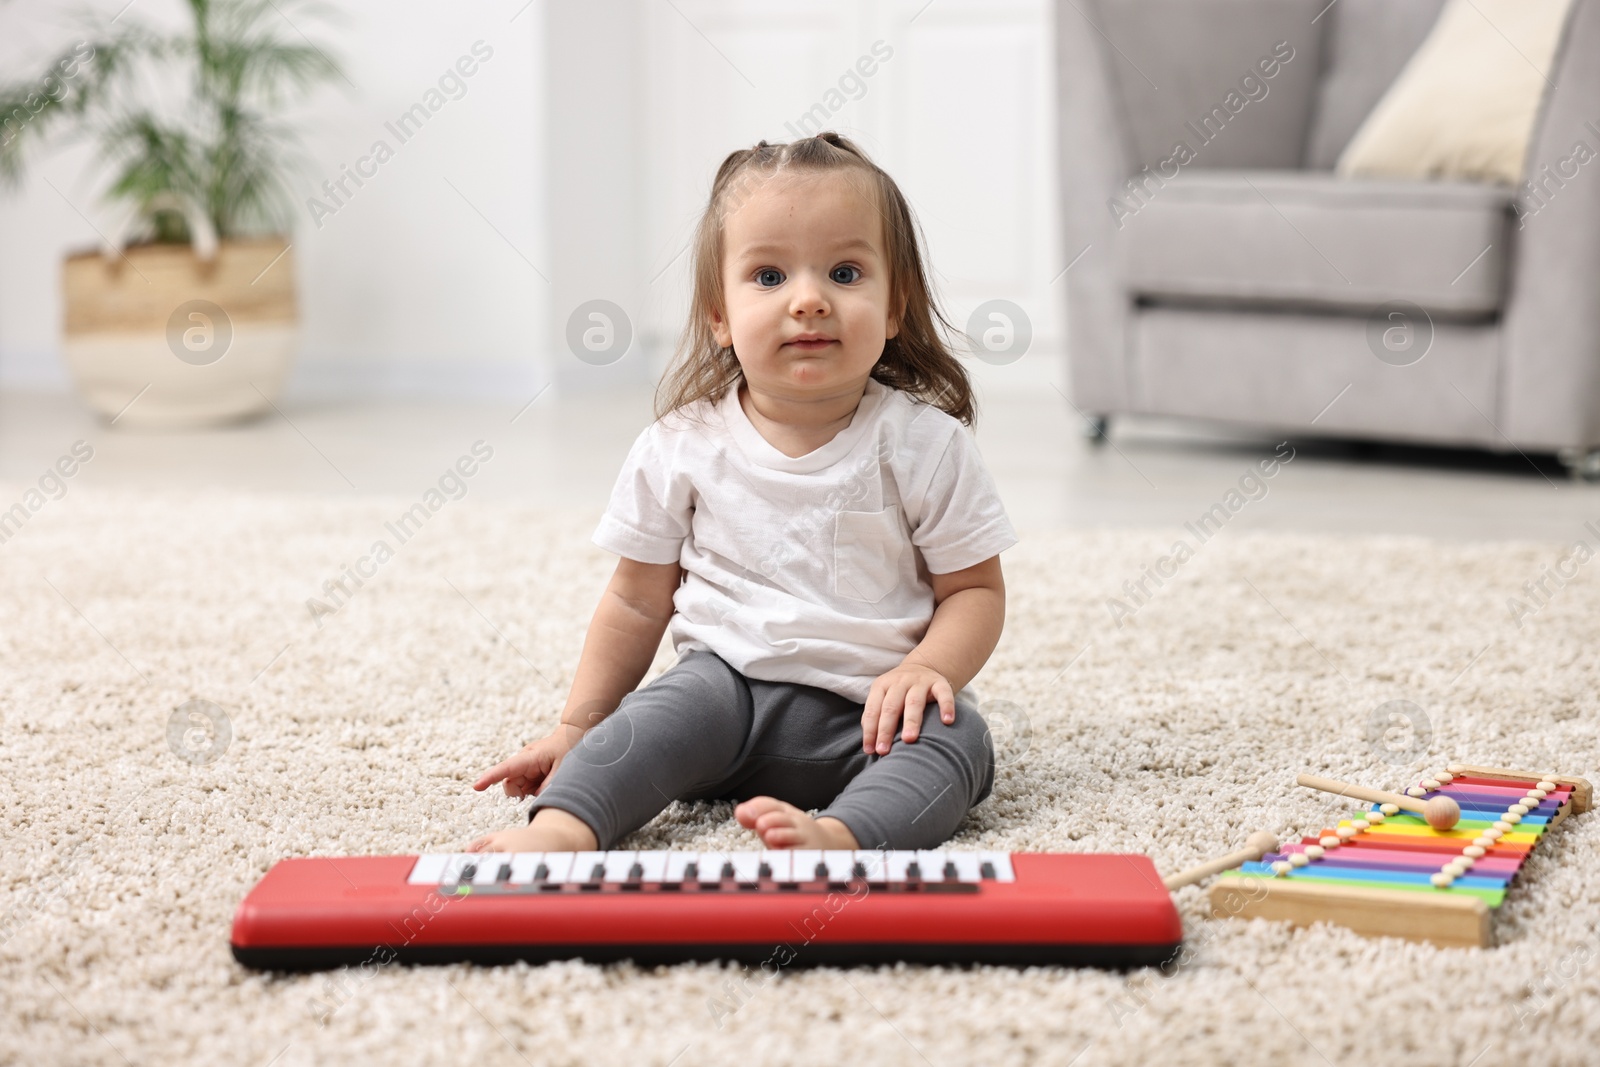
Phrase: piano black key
(859, 870)
(635, 877)
(505, 873)
(727, 870)
(913, 871)
(951, 874)
(986, 869)
(764, 871)
(821, 873)
(542, 882)
(468, 873)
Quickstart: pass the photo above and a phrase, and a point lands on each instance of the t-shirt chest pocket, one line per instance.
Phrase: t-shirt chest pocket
(867, 546)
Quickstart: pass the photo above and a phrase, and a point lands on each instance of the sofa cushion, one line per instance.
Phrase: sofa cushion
(1366, 45)
(1232, 81)
(1308, 239)
(1309, 373)
(1465, 106)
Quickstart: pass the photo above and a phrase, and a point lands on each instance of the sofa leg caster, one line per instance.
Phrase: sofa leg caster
(1582, 463)
(1095, 428)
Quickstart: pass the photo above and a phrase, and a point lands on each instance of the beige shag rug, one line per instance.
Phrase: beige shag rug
(1175, 734)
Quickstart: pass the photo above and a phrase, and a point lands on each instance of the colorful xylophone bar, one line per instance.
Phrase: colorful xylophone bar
(1386, 872)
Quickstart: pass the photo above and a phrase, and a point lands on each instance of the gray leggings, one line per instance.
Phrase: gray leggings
(702, 731)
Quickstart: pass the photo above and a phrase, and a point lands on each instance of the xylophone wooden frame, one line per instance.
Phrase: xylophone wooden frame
(1440, 919)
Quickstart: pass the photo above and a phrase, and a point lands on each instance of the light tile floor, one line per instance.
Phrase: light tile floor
(565, 451)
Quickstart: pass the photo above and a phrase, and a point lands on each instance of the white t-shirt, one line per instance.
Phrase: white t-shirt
(810, 569)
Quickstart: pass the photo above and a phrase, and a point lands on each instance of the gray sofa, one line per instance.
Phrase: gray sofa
(1240, 280)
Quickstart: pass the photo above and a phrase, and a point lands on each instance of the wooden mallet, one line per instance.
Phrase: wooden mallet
(1440, 812)
(1256, 845)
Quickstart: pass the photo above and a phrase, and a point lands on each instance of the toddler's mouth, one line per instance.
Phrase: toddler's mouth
(810, 344)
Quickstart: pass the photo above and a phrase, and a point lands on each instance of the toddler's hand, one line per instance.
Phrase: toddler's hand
(904, 691)
(530, 769)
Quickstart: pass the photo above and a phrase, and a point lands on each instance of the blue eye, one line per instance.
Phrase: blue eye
(845, 267)
(767, 277)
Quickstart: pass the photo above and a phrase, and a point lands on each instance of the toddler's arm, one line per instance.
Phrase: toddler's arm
(622, 640)
(969, 612)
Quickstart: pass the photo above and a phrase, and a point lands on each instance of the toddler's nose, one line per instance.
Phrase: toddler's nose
(807, 298)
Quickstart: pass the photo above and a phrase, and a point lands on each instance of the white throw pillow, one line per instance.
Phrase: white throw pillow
(1465, 104)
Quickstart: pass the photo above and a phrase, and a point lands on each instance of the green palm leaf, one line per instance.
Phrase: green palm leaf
(220, 153)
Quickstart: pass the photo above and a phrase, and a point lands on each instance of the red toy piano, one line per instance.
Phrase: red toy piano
(761, 907)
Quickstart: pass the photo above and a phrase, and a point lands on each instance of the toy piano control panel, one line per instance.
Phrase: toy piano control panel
(788, 907)
(951, 872)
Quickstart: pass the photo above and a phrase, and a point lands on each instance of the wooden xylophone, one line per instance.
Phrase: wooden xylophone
(765, 907)
(1387, 872)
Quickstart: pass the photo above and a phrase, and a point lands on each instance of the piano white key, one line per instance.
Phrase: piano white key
(779, 861)
(841, 864)
(1002, 865)
(618, 864)
(560, 864)
(932, 863)
(711, 866)
(747, 866)
(897, 862)
(805, 864)
(583, 865)
(429, 869)
(966, 865)
(876, 864)
(654, 863)
(523, 864)
(676, 862)
(452, 867)
(489, 864)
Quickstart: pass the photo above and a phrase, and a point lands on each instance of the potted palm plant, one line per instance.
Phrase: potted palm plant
(186, 315)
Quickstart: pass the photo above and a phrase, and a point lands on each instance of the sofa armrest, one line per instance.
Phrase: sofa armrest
(1093, 164)
(1551, 382)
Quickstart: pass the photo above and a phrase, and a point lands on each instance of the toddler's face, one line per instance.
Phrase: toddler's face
(803, 257)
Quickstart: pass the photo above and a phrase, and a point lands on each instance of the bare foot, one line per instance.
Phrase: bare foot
(552, 830)
(782, 825)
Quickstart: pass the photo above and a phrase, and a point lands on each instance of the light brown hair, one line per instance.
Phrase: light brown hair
(916, 360)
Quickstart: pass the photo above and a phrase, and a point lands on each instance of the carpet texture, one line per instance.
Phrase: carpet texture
(1174, 734)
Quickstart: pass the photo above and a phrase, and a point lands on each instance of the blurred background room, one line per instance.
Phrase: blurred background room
(444, 236)
(434, 299)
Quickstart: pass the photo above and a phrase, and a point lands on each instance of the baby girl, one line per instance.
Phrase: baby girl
(812, 520)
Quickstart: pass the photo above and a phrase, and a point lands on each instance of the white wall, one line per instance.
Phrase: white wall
(415, 285)
(407, 287)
